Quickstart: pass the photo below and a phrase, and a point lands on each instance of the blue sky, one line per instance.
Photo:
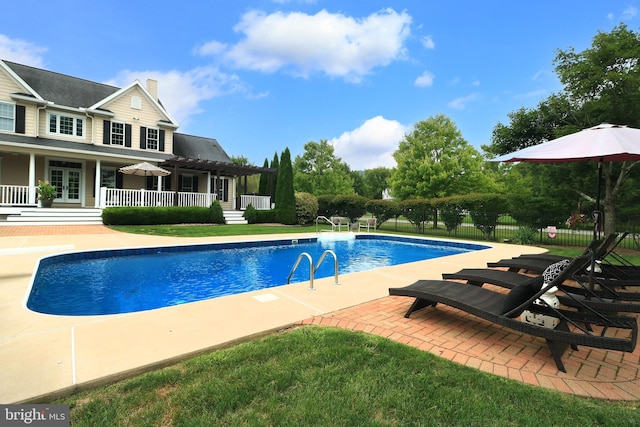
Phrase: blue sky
(262, 75)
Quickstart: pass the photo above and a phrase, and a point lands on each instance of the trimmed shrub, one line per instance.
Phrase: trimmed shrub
(217, 216)
(350, 206)
(306, 208)
(326, 207)
(417, 211)
(250, 214)
(266, 216)
(383, 210)
(156, 215)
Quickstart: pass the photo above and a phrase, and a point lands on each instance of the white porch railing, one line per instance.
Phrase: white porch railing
(17, 195)
(258, 202)
(120, 197)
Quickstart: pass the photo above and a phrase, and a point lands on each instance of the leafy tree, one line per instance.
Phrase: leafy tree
(251, 180)
(275, 164)
(435, 161)
(263, 188)
(285, 195)
(376, 181)
(319, 172)
(600, 86)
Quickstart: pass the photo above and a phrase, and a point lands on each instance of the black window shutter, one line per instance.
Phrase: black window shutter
(119, 179)
(127, 135)
(150, 182)
(20, 118)
(226, 190)
(179, 182)
(143, 138)
(166, 183)
(106, 133)
(161, 140)
(195, 184)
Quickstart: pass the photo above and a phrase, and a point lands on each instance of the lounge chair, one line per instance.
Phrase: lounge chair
(610, 295)
(539, 262)
(503, 308)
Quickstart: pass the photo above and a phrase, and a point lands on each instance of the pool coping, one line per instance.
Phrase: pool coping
(46, 357)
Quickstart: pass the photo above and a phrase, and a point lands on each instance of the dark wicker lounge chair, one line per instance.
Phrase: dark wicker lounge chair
(537, 263)
(502, 309)
(608, 297)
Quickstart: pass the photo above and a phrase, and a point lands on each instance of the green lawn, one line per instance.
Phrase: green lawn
(315, 376)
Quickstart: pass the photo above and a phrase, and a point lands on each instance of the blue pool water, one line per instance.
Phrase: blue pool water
(129, 280)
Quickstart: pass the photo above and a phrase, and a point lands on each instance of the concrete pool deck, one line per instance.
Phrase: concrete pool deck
(44, 356)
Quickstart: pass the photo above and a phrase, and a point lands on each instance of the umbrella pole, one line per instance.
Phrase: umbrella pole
(596, 227)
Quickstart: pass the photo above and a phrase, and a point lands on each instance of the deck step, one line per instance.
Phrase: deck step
(234, 217)
(52, 216)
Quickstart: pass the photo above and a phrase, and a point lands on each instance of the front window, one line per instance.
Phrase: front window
(7, 116)
(117, 133)
(187, 183)
(152, 139)
(60, 124)
(108, 178)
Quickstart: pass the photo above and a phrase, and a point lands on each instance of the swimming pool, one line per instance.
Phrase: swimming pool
(130, 280)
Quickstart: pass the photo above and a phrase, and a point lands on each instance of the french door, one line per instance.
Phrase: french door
(66, 176)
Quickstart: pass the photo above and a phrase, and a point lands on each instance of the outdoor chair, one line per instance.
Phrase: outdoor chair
(370, 223)
(574, 328)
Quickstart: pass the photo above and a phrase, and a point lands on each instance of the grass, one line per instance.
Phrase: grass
(324, 376)
(315, 376)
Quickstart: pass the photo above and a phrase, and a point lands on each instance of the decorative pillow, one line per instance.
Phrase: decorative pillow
(554, 270)
(520, 294)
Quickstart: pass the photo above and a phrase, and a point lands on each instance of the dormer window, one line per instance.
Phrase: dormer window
(62, 124)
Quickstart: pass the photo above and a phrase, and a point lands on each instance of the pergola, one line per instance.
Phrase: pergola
(219, 168)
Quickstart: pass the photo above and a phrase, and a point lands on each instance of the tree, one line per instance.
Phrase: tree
(600, 86)
(285, 195)
(275, 164)
(251, 180)
(376, 181)
(319, 172)
(435, 161)
(263, 188)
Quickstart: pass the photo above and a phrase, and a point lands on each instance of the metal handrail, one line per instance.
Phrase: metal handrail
(311, 270)
(333, 226)
(335, 264)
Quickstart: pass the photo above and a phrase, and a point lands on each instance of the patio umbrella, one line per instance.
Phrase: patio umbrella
(144, 169)
(602, 143)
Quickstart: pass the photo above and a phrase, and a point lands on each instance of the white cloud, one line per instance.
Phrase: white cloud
(425, 80)
(461, 103)
(334, 44)
(370, 145)
(181, 92)
(427, 42)
(630, 12)
(21, 51)
(211, 48)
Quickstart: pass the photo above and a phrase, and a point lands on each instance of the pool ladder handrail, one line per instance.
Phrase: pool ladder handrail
(333, 226)
(312, 269)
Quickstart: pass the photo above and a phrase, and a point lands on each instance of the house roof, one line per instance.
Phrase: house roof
(62, 89)
(206, 154)
(198, 147)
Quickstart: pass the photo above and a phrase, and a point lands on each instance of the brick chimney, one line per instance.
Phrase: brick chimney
(152, 87)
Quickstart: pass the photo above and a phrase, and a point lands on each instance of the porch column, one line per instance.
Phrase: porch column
(32, 178)
(96, 184)
(209, 188)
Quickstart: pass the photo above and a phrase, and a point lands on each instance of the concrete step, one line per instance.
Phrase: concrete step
(234, 217)
(44, 216)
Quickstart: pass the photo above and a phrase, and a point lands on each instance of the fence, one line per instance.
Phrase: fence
(508, 230)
